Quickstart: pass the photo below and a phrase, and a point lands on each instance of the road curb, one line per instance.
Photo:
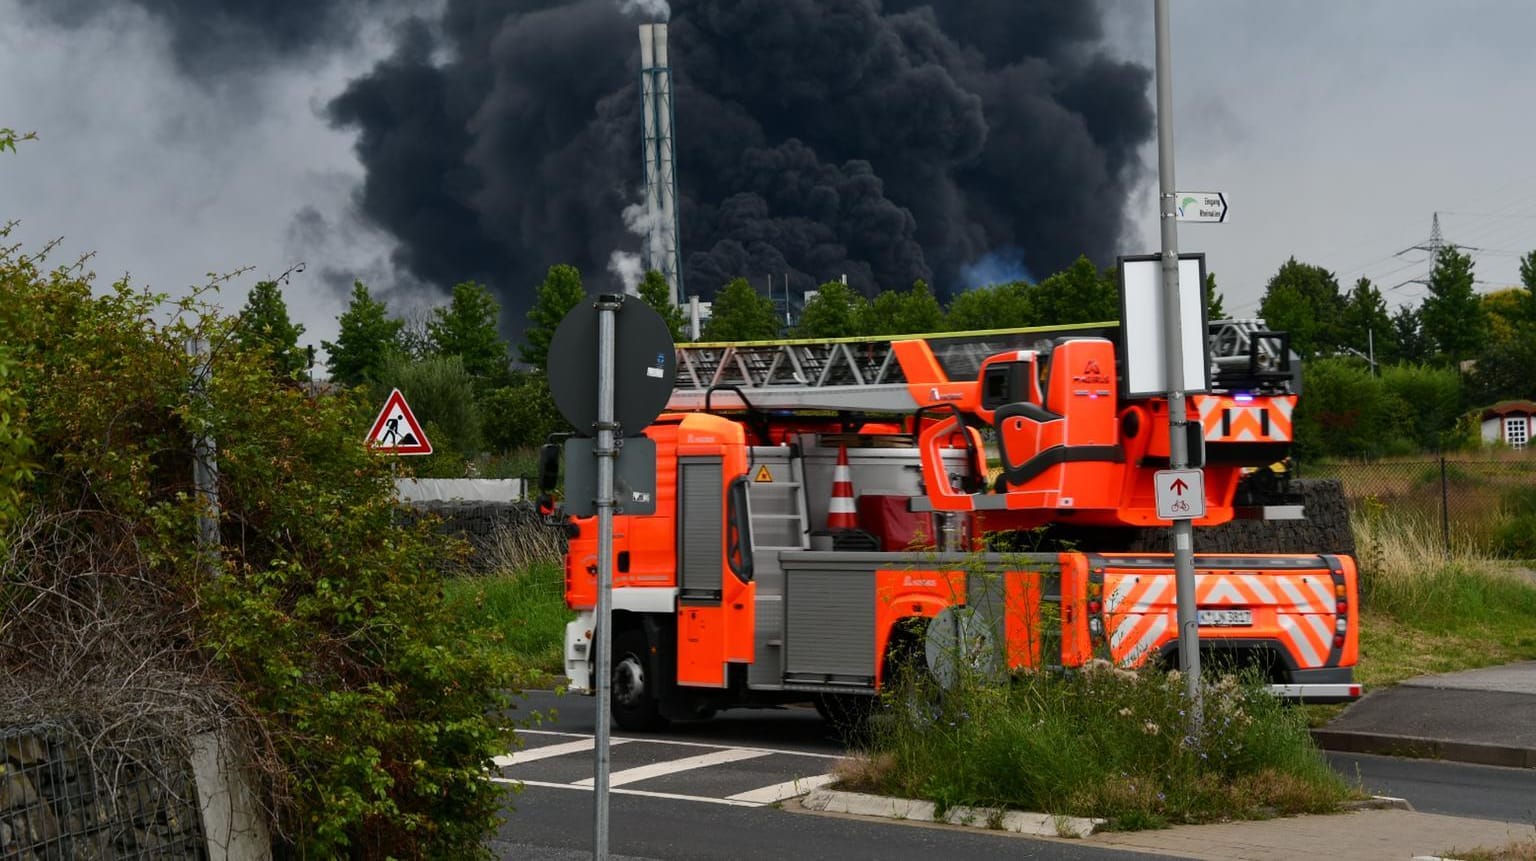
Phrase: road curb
(1386, 744)
(990, 818)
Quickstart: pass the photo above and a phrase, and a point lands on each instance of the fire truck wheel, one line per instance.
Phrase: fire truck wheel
(634, 691)
(847, 714)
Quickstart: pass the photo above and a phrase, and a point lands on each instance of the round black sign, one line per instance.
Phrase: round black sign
(644, 366)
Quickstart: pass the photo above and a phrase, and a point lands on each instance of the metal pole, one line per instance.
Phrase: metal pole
(205, 466)
(1445, 507)
(1178, 441)
(604, 451)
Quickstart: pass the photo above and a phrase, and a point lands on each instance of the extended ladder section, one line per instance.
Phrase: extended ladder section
(878, 375)
(845, 373)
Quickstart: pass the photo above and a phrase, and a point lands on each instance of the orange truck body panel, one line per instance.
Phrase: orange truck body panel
(1072, 452)
(1309, 609)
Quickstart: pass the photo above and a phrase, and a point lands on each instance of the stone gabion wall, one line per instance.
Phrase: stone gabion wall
(483, 524)
(58, 804)
(1325, 528)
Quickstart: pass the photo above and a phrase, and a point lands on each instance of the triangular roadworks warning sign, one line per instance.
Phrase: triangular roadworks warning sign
(396, 429)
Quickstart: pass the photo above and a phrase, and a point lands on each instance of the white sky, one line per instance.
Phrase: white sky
(1336, 130)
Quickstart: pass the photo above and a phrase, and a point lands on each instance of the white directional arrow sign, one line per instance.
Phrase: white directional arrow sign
(1201, 206)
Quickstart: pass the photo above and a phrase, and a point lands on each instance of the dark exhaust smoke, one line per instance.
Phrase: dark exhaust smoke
(888, 141)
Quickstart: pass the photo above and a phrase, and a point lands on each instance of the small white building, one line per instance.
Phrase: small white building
(1510, 423)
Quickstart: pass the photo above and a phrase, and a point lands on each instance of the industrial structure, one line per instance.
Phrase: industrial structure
(658, 156)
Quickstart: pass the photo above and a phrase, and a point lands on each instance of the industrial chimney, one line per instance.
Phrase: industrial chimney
(658, 155)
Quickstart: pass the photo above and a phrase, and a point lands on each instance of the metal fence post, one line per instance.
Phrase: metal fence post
(1445, 507)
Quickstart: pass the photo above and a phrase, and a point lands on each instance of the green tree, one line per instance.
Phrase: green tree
(1505, 310)
(372, 716)
(834, 312)
(1078, 294)
(655, 292)
(1528, 281)
(467, 328)
(740, 313)
(905, 312)
(1503, 369)
(1000, 306)
(520, 415)
(366, 339)
(560, 292)
(1408, 334)
(1214, 308)
(441, 392)
(1366, 324)
(264, 324)
(1304, 300)
(1452, 317)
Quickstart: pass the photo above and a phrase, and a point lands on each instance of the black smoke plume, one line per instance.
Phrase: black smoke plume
(888, 140)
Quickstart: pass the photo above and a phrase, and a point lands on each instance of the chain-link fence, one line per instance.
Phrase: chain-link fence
(1483, 503)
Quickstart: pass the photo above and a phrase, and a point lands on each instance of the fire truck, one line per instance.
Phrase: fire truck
(827, 511)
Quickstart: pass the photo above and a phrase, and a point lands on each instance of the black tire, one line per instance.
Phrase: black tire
(633, 690)
(910, 693)
(847, 714)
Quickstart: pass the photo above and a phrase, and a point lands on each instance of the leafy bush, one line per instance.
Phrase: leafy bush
(1344, 411)
(1515, 537)
(370, 713)
(1427, 402)
(442, 397)
(521, 415)
(15, 467)
(1109, 743)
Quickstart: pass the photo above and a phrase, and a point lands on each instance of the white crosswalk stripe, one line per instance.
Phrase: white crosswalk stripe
(782, 791)
(673, 766)
(711, 756)
(549, 750)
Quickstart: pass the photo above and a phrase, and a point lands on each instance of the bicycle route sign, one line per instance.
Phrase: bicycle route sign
(1180, 493)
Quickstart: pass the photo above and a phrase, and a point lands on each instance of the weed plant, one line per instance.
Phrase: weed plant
(1102, 742)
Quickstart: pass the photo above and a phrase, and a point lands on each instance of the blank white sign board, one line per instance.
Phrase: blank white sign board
(1141, 322)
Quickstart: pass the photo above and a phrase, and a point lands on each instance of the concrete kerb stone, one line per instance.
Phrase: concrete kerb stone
(990, 818)
(1386, 744)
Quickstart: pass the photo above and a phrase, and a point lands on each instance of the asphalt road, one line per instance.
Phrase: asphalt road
(709, 789)
(1450, 788)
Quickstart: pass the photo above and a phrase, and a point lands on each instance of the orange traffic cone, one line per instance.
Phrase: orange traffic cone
(840, 512)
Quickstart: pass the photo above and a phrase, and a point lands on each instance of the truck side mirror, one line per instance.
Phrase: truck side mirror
(549, 466)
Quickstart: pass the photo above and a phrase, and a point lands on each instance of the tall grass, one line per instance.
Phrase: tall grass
(1105, 743)
(1488, 498)
(523, 613)
(1405, 573)
(1426, 612)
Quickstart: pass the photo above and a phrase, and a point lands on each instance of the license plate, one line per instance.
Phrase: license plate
(1224, 618)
